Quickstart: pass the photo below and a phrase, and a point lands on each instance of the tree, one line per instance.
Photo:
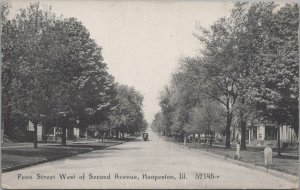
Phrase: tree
(127, 116)
(211, 79)
(276, 89)
(23, 64)
(158, 123)
(52, 68)
(243, 36)
(166, 109)
(8, 69)
(85, 82)
(215, 76)
(235, 50)
(208, 119)
(248, 64)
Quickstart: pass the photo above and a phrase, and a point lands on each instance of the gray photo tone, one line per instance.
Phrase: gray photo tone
(149, 94)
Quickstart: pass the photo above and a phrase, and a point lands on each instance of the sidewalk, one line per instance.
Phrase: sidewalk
(24, 145)
(30, 144)
(287, 163)
(22, 155)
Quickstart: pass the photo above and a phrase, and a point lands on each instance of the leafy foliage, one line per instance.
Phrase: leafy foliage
(127, 115)
(248, 66)
(53, 73)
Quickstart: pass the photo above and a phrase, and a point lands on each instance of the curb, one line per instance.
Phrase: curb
(17, 167)
(276, 173)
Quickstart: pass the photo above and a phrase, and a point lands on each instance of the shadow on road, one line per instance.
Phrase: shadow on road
(90, 155)
(123, 148)
(133, 140)
(107, 152)
(95, 147)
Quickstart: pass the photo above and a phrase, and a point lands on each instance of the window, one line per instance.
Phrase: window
(255, 132)
(271, 132)
(261, 131)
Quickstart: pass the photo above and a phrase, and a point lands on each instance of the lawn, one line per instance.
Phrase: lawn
(285, 163)
(25, 154)
(19, 156)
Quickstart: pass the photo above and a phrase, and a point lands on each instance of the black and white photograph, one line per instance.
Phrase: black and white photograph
(148, 94)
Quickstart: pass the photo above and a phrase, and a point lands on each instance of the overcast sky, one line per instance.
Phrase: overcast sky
(142, 41)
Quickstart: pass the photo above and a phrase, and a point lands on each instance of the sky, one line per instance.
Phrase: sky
(142, 41)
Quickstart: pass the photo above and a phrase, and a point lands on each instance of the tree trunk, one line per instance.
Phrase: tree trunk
(117, 134)
(6, 105)
(35, 135)
(243, 131)
(199, 138)
(64, 131)
(64, 138)
(233, 138)
(2, 131)
(183, 137)
(7, 123)
(296, 129)
(278, 141)
(227, 129)
(243, 126)
(86, 132)
(103, 136)
(210, 139)
(243, 136)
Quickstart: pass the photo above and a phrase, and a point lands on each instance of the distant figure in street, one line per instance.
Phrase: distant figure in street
(145, 136)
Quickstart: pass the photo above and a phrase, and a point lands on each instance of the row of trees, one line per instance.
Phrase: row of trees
(126, 116)
(53, 72)
(247, 69)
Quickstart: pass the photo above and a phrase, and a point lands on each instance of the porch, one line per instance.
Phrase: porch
(265, 134)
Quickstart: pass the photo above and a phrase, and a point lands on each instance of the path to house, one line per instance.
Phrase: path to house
(142, 164)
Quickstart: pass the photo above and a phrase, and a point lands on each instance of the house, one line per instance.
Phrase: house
(18, 129)
(266, 134)
(55, 133)
(22, 130)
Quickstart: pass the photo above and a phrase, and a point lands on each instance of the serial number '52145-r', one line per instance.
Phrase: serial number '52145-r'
(206, 176)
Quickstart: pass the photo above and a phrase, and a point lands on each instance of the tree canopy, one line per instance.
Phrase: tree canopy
(54, 73)
(248, 66)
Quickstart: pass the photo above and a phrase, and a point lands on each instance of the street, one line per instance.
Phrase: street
(142, 164)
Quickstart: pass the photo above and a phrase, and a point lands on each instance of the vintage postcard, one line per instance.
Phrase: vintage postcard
(146, 94)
